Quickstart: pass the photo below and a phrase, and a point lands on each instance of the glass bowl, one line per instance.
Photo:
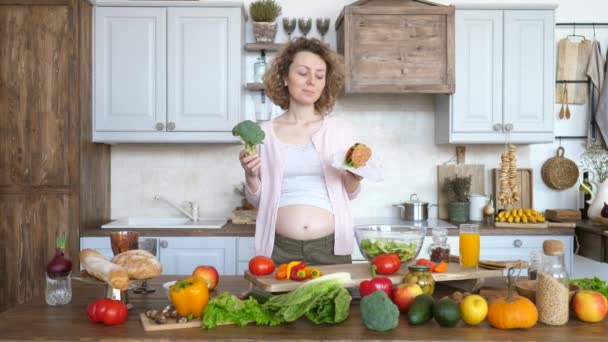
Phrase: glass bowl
(406, 241)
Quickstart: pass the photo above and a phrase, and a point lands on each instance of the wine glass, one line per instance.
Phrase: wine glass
(150, 246)
(322, 27)
(123, 241)
(289, 25)
(304, 25)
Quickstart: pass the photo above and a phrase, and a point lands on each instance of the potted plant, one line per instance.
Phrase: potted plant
(457, 190)
(264, 13)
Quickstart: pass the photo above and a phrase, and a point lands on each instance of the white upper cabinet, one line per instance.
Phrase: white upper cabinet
(168, 74)
(504, 78)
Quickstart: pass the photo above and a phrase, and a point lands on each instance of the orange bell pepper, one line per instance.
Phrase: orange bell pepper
(281, 272)
(441, 267)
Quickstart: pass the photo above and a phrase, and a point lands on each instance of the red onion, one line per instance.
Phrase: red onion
(60, 266)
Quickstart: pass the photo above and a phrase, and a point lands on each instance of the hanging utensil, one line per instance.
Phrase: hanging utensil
(567, 107)
(561, 111)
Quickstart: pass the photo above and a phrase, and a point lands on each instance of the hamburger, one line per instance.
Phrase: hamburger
(357, 155)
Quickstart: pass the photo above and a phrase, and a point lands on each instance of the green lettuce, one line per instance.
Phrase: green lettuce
(405, 250)
(595, 284)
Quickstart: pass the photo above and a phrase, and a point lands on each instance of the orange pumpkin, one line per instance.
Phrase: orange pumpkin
(512, 313)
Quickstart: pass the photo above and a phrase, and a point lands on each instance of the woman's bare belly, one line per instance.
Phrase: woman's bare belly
(304, 222)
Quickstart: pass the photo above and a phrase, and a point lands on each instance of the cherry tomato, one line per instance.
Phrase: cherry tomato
(261, 265)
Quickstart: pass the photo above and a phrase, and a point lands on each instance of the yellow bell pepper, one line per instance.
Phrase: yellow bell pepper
(190, 296)
(290, 266)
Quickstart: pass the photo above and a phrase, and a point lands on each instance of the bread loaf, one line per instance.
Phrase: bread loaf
(104, 270)
(139, 264)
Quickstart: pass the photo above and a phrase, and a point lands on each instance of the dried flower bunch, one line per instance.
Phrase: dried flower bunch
(264, 10)
(595, 158)
(457, 188)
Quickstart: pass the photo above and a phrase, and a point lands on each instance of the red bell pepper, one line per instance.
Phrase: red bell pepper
(428, 263)
(385, 264)
(368, 287)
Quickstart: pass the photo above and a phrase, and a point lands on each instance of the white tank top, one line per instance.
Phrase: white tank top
(303, 180)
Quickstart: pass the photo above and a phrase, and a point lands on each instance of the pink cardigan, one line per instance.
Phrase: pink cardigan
(334, 135)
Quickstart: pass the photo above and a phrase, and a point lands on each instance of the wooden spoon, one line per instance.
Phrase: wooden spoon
(567, 107)
(561, 111)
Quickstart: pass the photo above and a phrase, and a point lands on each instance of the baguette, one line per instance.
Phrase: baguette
(102, 269)
(140, 264)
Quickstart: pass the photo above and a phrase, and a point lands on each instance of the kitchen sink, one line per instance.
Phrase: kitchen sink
(166, 222)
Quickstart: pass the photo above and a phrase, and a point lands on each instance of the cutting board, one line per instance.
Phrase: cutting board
(572, 60)
(150, 325)
(361, 271)
(546, 224)
(525, 185)
(461, 170)
(563, 215)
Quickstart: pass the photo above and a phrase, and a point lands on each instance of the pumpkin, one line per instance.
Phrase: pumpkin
(512, 313)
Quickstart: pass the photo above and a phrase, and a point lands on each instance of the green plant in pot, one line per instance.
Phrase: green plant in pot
(457, 190)
(264, 13)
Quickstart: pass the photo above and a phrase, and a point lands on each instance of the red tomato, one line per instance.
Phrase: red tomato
(107, 311)
(261, 265)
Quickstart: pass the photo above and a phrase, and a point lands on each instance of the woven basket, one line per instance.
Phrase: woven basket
(559, 173)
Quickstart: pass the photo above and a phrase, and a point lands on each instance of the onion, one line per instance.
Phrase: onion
(60, 266)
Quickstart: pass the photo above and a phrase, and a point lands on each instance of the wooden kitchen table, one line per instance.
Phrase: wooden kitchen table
(38, 321)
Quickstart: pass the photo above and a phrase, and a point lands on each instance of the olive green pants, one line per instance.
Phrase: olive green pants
(313, 252)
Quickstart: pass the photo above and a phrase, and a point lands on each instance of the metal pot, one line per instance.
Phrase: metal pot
(414, 210)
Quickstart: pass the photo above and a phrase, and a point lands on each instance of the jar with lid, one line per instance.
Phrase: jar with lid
(535, 264)
(552, 290)
(439, 250)
(421, 275)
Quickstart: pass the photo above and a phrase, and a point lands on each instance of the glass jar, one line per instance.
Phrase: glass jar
(58, 288)
(439, 250)
(421, 275)
(259, 68)
(535, 264)
(552, 290)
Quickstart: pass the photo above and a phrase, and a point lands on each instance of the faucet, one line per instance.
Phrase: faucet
(193, 214)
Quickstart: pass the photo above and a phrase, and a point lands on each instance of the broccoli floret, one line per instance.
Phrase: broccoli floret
(378, 312)
(251, 133)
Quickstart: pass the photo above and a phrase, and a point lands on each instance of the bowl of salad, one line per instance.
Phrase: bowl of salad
(403, 240)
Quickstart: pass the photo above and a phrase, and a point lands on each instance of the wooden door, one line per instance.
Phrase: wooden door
(181, 255)
(477, 103)
(204, 49)
(529, 71)
(130, 67)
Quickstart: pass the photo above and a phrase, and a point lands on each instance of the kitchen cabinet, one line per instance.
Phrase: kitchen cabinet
(168, 74)
(505, 62)
(509, 247)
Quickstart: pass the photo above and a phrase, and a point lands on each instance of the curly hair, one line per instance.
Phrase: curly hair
(279, 70)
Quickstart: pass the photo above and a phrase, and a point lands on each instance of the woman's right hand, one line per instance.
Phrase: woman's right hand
(250, 163)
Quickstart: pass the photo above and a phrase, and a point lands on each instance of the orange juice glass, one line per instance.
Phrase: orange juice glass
(469, 245)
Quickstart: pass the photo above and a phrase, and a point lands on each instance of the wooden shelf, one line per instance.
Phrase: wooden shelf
(254, 47)
(255, 86)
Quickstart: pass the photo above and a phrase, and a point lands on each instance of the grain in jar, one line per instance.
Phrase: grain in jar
(552, 297)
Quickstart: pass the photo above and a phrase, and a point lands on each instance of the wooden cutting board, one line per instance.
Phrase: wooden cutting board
(150, 325)
(461, 170)
(546, 224)
(563, 215)
(361, 271)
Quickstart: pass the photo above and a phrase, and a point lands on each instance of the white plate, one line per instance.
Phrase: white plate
(372, 171)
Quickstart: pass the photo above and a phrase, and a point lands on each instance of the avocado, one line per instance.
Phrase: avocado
(421, 310)
(446, 312)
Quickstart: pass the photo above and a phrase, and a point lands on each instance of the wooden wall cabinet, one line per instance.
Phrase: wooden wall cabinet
(52, 177)
(505, 67)
(168, 74)
(394, 46)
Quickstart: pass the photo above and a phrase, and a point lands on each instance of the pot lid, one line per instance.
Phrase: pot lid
(415, 201)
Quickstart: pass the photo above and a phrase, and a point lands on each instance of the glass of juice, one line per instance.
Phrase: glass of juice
(469, 245)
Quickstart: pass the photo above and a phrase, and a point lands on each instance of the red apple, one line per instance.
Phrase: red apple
(590, 306)
(404, 294)
(209, 273)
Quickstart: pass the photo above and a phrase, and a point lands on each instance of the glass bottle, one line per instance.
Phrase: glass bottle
(536, 260)
(552, 290)
(259, 68)
(58, 289)
(439, 250)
